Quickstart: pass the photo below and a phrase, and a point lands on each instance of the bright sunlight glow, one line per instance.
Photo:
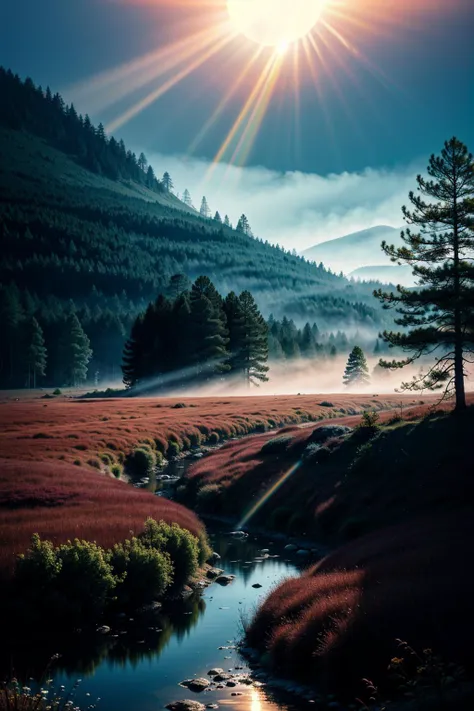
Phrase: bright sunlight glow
(274, 23)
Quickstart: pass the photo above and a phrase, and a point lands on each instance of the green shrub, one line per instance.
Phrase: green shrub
(277, 445)
(106, 459)
(209, 498)
(77, 462)
(70, 582)
(195, 439)
(368, 427)
(161, 444)
(261, 427)
(173, 449)
(316, 453)
(85, 580)
(179, 405)
(57, 392)
(326, 403)
(140, 463)
(143, 573)
(213, 438)
(179, 543)
(116, 470)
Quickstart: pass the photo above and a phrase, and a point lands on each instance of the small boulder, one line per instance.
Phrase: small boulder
(213, 573)
(225, 579)
(213, 557)
(256, 585)
(185, 705)
(291, 547)
(231, 682)
(196, 684)
(222, 676)
(215, 671)
(302, 551)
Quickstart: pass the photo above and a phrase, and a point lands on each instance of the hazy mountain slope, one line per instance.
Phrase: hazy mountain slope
(359, 249)
(393, 274)
(68, 231)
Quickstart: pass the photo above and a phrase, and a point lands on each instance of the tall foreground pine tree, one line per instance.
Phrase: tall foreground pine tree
(437, 316)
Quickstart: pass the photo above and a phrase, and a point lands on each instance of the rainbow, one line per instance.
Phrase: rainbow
(268, 494)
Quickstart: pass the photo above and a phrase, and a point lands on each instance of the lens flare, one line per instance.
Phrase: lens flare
(274, 23)
(298, 42)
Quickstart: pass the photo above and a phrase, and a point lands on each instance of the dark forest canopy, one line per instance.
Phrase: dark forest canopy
(84, 231)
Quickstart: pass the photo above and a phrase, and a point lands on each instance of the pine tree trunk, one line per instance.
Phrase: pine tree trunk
(458, 336)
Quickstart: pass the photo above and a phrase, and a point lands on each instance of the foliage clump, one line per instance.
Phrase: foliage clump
(79, 580)
(277, 445)
(141, 462)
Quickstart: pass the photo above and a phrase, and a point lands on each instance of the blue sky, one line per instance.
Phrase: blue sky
(355, 123)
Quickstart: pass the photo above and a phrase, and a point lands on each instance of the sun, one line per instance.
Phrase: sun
(275, 23)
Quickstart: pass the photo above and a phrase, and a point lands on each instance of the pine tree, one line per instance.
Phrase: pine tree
(179, 283)
(150, 178)
(205, 210)
(217, 218)
(11, 318)
(132, 354)
(187, 198)
(307, 344)
(244, 226)
(435, 316)
(249, 338)
(142, 162)
(227, 221)
(167, 182)
(209, 329)
(75, 352)
(357, 371)
(36, 354)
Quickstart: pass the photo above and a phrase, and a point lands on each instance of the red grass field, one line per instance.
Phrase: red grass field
(52, 479)
(320, 500)
(339, 621)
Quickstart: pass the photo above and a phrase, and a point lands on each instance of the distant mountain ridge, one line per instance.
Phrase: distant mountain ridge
(355, 250)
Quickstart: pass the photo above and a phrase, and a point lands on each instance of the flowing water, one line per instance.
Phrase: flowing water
(139, 666)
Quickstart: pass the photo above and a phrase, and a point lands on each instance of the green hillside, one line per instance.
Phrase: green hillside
(83, 227)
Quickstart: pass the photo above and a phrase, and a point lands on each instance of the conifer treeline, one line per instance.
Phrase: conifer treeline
(197, 336)
(27, 107)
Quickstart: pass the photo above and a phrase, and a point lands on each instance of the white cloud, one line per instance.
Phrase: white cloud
(295, 209)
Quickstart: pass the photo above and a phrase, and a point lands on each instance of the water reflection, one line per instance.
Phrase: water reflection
(140, 664)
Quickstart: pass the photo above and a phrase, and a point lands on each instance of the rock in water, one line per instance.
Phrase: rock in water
(196, 684)
(291, 547)
(215, 672)
(256, 585)
(225, 579)
(105, 629)
(186, 705)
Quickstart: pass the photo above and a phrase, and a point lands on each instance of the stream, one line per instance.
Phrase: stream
(139, 666)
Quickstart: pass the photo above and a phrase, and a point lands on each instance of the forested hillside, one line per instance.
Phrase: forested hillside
(87, 228)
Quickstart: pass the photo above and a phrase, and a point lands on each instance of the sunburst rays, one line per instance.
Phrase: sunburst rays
(253, 74)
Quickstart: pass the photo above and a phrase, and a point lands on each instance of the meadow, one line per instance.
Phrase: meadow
(57, 457)
(391, 498)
